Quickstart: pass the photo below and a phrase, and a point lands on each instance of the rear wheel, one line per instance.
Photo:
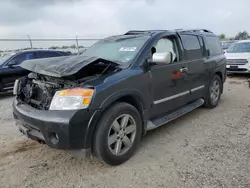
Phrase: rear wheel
(118, 134)
(214, 92)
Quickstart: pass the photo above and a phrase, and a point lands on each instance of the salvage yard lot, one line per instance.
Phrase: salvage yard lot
(205, 148)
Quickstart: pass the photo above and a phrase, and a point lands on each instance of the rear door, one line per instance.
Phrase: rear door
(170, 88)
(198, 72)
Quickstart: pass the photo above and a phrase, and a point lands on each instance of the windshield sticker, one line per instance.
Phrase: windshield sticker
(127, 49)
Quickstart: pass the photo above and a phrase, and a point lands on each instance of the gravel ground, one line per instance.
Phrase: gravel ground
(205, 148)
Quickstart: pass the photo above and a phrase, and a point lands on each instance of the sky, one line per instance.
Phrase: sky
(101, 18)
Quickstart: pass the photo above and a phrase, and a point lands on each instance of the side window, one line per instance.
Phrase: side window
(193, 49)
(167, 45)
(48, 54)
(24, 56)
(214, 45)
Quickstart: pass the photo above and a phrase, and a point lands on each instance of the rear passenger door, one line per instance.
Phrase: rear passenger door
(198, 72)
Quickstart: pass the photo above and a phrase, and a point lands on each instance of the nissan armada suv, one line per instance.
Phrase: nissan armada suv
(104, 100)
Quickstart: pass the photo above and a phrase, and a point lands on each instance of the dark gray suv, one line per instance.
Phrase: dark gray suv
(103, 101)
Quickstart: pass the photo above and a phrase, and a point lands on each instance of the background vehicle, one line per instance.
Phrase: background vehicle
(238, 57)
(10, 69)
(121, 87)
(226, 45)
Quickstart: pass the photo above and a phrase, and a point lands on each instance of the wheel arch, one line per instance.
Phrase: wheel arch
(219, 73)
(131, 97)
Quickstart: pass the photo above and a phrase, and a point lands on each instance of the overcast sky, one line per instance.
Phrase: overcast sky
(99, 18)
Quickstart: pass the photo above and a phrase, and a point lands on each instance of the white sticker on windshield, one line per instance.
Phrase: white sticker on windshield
(127, 49)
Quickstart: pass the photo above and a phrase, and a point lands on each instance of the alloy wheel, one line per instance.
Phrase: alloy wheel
(215, 91)
(122, 134)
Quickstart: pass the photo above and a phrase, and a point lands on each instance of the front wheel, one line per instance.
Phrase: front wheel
(214, 92)
(118, 134)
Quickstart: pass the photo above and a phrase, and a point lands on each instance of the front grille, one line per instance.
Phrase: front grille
(237, 61)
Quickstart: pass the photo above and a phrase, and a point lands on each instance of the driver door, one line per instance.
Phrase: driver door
(170, 87)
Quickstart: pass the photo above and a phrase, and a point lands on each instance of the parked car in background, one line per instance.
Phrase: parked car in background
(238, 57)
(10, 69)
(226, 45)
(104, 100)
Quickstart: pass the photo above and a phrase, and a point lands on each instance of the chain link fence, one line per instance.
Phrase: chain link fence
(75, 45)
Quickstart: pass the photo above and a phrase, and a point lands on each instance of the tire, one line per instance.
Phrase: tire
(115, 153)
(214, 92)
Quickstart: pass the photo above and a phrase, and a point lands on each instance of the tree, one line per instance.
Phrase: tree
(54, 47)
(65, 47)
(73, 46)
(222, 36)
(242, 35)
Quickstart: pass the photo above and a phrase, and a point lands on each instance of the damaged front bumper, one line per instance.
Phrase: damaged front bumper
(66, 130)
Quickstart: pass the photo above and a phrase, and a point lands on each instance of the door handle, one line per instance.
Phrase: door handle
(184, 70)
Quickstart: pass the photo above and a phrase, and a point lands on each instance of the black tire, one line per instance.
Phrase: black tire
(1, 86)
(209, 101)
(101, 147)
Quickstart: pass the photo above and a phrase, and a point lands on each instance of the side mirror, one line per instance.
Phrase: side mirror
(12, 63)
(159, 58)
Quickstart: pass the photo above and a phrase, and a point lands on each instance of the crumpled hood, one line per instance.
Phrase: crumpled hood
(59, 66)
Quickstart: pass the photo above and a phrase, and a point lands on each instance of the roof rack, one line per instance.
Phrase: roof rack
(136, 32)
(194, 30)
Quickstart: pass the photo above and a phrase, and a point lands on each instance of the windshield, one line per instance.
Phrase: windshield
(4, 58)
(120, 49)
(243, 47)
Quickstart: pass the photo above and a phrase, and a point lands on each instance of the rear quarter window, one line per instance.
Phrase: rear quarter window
(49, 54)
(214, 45)
(192, 46)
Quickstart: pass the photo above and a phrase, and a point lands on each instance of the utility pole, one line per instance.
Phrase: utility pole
(77, 45)
(31, 46)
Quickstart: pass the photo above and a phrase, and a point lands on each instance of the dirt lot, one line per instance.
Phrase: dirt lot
(205, 148)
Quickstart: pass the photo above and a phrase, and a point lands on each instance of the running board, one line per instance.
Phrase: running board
(173, 115)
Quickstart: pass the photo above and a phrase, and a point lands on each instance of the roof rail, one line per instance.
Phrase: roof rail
(194, 30)
(136, 32)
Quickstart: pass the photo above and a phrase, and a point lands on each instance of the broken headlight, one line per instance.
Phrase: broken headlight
(72, 99)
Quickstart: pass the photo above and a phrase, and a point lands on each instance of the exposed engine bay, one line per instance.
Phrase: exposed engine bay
(37, 90)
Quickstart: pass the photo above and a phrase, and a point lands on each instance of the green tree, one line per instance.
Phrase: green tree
(222, 36)
(65, 47)
(54, 47)
(73, 46)
(242, 35)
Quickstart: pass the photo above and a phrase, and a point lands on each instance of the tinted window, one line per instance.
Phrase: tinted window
(192, 47)
(24, 56)
(48, 54)
(214, 45)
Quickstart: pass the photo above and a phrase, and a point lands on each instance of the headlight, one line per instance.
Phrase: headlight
(72, 99)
